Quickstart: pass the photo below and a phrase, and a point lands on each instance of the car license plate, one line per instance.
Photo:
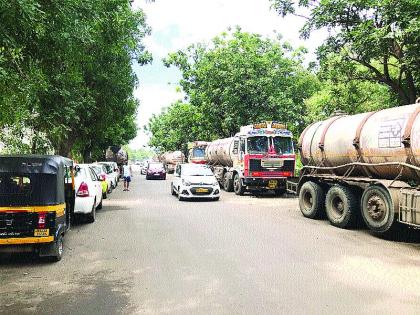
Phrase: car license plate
(202, 190)
(272, 184)
(157, 174)
(42, 232)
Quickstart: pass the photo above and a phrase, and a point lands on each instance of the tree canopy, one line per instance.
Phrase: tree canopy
(238, 79)
(381, 36)
(66, 78)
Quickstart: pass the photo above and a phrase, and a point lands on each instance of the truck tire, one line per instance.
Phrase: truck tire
(238, 188)
(312, 200)
(227, 183)
(377, 209)
(342, 206)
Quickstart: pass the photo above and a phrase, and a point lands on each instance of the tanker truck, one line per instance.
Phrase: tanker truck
(258, 158)
(364, 165)
(197, 152)
(170, 159)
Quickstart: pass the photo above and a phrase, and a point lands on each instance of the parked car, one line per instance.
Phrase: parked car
(102, 177)
(102, 172)
(88, 192)
(112, 171)
(194, 181)
(156, 170)
(143, 169)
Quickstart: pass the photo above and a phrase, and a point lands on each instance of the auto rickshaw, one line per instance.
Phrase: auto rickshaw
(36, 203)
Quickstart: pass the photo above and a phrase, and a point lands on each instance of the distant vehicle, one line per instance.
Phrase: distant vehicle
(36, 203)
(88, 192)
(113, 172)
(155, 170)
(102, 172)
(197, 152)
(171, 159)
(194, 181)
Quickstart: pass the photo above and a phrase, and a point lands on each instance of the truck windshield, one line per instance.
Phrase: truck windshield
(283, 145)
(257, 144)
(199, 152)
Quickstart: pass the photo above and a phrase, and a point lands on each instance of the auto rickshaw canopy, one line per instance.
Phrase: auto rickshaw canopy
(33, 180)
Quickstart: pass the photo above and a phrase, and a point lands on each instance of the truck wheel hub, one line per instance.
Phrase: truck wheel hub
(376, 208)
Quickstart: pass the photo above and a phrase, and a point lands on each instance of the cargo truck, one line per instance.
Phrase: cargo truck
(171, 159)
(197, 152)
(258, 158)
(365, 165)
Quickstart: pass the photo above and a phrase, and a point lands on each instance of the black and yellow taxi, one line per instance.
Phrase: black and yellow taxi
(36, 203)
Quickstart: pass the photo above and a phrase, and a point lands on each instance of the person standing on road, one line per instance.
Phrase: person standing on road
(126, 176)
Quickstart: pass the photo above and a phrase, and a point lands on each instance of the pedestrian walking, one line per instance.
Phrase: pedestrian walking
(126, 177)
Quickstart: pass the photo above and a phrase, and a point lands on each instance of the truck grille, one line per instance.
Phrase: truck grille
(257, 165)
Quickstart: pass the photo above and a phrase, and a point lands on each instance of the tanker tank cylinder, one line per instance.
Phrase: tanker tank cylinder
(389, 136)
(220, 152)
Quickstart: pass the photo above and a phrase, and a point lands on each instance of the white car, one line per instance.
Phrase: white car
(102, 172)
(112, 171)
(194, 181)
(88, 192)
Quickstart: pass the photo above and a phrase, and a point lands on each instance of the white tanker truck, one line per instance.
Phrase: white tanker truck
(170, 159)
(364, 165)
(258, 158)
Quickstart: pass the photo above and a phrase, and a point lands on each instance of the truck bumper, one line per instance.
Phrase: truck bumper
(264, 183)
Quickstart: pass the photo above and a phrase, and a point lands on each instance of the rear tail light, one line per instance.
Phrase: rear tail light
(102, 177)
(42, 218)
(83, 190)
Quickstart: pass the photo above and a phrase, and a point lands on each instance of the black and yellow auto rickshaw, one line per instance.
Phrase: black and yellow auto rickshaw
(36, 203)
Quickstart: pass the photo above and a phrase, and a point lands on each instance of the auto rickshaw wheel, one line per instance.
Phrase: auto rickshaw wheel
(58, 248)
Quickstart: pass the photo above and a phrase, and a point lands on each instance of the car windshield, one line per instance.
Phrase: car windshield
(196, 170)
(199, 152)
(257, 144)
(108, 168)
(283, 145)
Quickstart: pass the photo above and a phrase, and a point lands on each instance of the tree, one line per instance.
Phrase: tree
(176, 126)
(66, 67)
(242, 78)
(382, 36)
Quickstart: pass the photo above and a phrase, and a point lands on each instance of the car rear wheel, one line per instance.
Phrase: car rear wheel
(91, 217)
(58, 249)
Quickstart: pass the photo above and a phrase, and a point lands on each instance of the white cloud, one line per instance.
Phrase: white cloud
(153, 98)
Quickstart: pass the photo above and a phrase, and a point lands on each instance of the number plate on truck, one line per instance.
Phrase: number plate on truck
(42, 232)
(272, 184)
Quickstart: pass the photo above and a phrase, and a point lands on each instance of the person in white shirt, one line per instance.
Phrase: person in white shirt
(126, 176)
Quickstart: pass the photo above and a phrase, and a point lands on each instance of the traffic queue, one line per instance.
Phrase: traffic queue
(41, 196)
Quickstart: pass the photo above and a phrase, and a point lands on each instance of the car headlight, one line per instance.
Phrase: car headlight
(186, 183)
(215, 183)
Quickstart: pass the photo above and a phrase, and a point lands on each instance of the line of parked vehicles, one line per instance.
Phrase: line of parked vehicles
(41, 196)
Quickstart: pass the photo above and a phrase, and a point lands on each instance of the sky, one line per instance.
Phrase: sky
(176, 24)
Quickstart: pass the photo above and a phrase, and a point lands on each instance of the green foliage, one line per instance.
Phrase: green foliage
(238, 79)
(176, 126)
(382, 36)
(139, 154)
(65, 72)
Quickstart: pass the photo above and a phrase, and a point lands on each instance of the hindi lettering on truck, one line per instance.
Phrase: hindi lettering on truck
(259, 158)
(365, 165)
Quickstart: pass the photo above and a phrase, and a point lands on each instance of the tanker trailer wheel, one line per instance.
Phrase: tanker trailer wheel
(342, 206)
(311, 200)
(377, 209)
(227, 183)
(237, 186)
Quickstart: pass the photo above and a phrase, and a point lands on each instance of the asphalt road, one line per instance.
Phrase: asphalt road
(149, 253)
